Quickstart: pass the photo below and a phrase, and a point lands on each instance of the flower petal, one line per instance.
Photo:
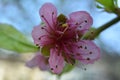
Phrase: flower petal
(41, 36)
(48, 13)
(82, 20)
(38, 60)
(56, 61)
(86, 51)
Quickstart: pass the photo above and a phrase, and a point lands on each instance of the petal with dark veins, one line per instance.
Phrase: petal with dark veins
(56, 61)
(48, 14)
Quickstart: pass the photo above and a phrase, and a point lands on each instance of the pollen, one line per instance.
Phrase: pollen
(64, 25)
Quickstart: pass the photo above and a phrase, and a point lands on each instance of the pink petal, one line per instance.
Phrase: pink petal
(41, 36)
(86, 51)
(46, 40)
(38, 60)
(82, 20)
(56, 61)
(48, 13)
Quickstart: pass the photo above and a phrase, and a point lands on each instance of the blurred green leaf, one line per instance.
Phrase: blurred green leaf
(98, 6)
(116, 3)
(12, 39)
(67, 68)
(109, 5)
(45, 51)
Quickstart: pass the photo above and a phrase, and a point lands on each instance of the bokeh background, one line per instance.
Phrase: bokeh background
(24, 15)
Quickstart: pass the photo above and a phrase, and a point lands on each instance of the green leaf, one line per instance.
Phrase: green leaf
(67, 68)
(116, 3)
(45, 51)
(12, 39)
(90, 34)
(100, 7)
(109, 5)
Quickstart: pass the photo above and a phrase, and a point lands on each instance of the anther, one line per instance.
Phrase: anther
(37, 44)
(56, 66)
(42, 15)
(80, 26)
(78, 54)
(90, 52)
(91, 32)
(80, 47)
(88, 58)
(39, 38)
(85, 47)
(85, 21)
(76, 23)
(51, 68)
(42, 27)
(52, 13)
(38, 47)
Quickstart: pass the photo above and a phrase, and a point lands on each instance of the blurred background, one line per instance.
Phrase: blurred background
(24, 15)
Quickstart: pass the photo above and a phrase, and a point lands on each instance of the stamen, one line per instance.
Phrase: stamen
(88, 58)
(46, 30)
(76, 23)
(39, 38)
(85, 21)
(52, 69)
(91, 32)
(54, 24)
(42, 27)
(80, 26)
(37, 44)
(85, 47)
(47, 21)
(52, 13)
(68, 29)
(38, 47)
(42, 15)
(56, 66)
(80, 47)
(90, 53)
(78, 54)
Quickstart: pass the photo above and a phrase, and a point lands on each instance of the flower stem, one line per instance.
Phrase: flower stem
(97, 31)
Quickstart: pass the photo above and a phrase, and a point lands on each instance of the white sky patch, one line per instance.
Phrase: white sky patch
(119, 3)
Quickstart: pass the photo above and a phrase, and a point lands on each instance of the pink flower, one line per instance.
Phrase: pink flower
(38, 60)
(62, 36)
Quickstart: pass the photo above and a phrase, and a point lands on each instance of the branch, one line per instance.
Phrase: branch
(92, 34)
